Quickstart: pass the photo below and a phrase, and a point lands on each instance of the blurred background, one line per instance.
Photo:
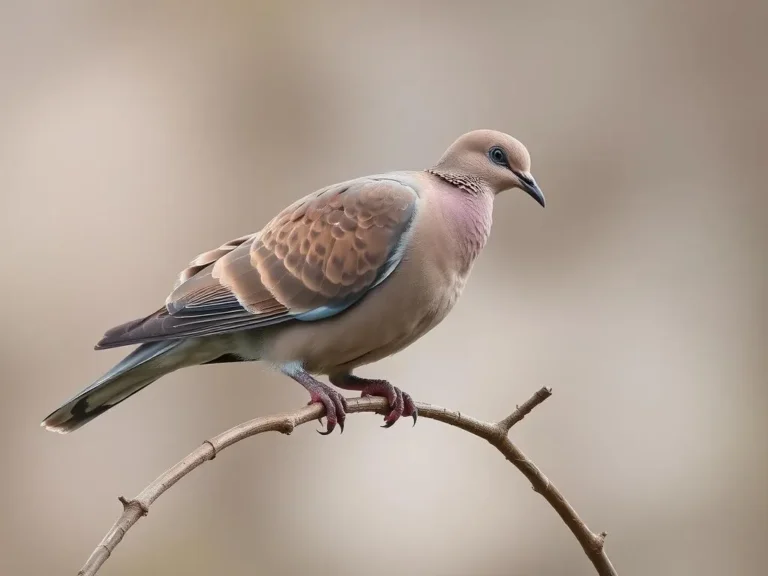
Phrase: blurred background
(136, 135)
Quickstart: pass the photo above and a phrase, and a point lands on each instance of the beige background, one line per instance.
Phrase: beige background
(134, 135)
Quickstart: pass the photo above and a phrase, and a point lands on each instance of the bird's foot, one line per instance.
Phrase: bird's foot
(400, 403)
(335, 404)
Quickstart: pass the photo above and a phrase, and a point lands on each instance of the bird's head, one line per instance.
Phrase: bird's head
(498, 160)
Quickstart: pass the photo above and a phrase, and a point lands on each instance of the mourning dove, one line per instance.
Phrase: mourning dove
(346, 276)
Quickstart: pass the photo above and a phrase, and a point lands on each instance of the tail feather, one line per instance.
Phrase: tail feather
(136, 371)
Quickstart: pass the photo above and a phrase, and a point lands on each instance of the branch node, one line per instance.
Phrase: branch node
(543, 486)
(287, 426)
(213, 448)
(128, 503)
(598, 541)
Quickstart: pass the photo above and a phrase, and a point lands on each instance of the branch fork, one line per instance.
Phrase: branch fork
(496, 433)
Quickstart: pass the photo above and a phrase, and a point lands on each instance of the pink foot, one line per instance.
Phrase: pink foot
(400, 403)
(335, 404)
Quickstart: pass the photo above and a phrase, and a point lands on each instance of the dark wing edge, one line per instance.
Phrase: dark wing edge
(198, 305)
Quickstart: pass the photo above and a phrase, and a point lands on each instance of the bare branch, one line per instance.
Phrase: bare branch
(522, 411)
(494, 432)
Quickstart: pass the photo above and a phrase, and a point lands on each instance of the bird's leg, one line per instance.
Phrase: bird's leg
(400, 403)
(335, 404)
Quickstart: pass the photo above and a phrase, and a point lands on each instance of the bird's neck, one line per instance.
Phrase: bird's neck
(467, 207)
(469, 184)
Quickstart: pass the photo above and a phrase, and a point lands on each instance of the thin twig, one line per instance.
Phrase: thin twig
(494, 432)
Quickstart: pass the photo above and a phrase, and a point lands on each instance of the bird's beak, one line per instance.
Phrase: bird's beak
(529, 185)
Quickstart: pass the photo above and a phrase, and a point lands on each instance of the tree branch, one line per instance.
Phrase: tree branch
(494, 432)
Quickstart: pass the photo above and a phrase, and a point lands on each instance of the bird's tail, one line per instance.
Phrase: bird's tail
(140, 368)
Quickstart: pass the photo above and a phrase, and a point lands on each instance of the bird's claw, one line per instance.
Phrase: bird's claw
(400, 403)
(335, 407)
(410, 407)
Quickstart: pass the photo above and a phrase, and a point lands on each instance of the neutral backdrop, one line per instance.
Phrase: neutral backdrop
(134, 135)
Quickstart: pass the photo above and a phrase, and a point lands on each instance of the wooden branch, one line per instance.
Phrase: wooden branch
(494, 432)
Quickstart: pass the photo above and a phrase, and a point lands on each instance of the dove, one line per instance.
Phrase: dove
(346, 276)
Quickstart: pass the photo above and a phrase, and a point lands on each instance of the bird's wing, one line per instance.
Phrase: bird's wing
(313, 260)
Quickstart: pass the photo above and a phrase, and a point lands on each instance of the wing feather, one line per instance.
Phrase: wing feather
(313, 260)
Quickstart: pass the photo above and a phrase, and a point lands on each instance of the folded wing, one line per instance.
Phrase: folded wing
(313, 260)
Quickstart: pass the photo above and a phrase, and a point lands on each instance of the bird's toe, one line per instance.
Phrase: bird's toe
(410, 407)
(335, 408)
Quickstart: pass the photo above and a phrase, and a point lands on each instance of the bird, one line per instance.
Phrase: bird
(346, 276)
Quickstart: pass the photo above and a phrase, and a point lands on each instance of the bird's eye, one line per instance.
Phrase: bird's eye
(498, 156)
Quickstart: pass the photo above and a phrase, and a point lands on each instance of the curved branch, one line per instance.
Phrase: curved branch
(494, 432)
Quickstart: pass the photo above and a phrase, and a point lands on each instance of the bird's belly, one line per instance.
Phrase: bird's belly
(406, 335)
(387, 320)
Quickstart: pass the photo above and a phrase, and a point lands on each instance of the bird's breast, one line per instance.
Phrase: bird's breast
(459, 224)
